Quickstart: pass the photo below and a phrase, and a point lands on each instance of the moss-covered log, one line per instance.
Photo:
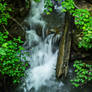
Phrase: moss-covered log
(64, 50)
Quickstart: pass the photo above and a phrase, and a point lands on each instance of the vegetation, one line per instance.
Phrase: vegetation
(83, 21)
(83, 73)
(10, 50)
(10, 58)
(37, 0)
(4, 12)
(49, 6)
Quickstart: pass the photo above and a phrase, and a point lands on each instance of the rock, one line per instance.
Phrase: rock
(54, 31)
(38, 29)
(26, 25)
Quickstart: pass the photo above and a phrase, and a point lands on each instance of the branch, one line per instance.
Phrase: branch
(17, 23)
(76, 6)
(7, 31)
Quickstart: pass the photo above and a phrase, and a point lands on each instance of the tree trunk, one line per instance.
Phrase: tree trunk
(64, 49)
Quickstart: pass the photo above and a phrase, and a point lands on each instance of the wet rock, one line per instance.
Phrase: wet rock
(53, 31)
(56, 34)
(26, 25)
(35, 39)
(38, 29)
(35, 27)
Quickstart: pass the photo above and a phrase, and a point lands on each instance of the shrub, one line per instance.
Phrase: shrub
(83, 73)
(10, 58)
(10, 50)
(83, 20)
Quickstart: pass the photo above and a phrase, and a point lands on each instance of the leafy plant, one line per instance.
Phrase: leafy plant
(37, 0)
(83, 73)
(83, 20)
(27, 3)
(10, 58)
(49, 6)
(68, 5)
(4, 12)
(10, 50)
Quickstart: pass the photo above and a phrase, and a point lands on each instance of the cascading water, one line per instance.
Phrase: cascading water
(43, 66)
(42, 60)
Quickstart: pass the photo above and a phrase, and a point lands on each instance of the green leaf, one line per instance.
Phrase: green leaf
(2, 51)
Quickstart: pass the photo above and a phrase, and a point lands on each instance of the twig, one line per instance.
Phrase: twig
(76, 6)
(7, 31)
(17, 23)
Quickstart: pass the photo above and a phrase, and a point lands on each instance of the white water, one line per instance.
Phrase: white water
(43, 63)
(35, 13)
(42, 60)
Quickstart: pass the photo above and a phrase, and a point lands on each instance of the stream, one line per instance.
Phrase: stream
(43, 52)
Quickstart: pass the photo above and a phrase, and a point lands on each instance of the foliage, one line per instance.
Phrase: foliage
(37, 0)
(48, 5)
(10, 58)
(83, 20)
(10, 50)
(83, 73)
(4, 12)
(27, 3)
(68, 5)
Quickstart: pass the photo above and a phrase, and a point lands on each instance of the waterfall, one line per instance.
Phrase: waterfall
(40, 76)
(42, 59)
(43, 63)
